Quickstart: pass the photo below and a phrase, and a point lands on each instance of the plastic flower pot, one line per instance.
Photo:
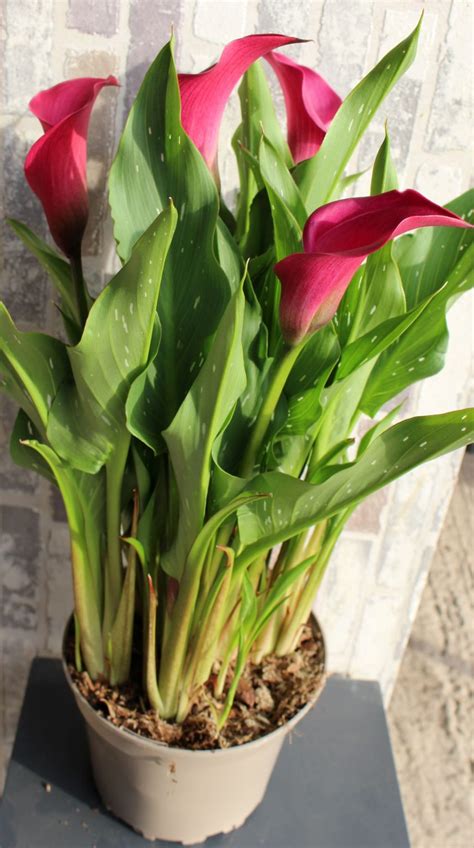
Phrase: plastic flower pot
(178, 794)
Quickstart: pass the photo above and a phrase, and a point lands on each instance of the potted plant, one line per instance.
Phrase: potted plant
(202, 420)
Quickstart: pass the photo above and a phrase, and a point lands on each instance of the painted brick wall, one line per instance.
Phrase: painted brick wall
(371, 593)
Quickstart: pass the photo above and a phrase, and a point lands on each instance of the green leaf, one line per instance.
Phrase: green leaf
(58, 270)
(427, 257)
(34, 366)
(296, 505)
(248, 607)
(345, 183)
(373, 343)
(156, 160)
(288, 210)
(293, 440)
(384, 175)
(334, 453)
(139, 550)
(22, 455)
(340, 402)
(279, 593)
(84, 499)
(318, 176)
(258, 113)
(420, 351)
(87, 416)
(378, 429)
(380, 295)
(201, 417)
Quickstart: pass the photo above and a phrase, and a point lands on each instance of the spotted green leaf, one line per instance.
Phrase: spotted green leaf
(295, 505)
(318, 176)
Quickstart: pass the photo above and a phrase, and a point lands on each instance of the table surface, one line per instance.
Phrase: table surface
(334, 785)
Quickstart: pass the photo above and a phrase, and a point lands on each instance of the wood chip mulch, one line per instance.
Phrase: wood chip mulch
(269, 694)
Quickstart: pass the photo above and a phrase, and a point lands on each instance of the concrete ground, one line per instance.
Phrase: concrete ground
(431, 712)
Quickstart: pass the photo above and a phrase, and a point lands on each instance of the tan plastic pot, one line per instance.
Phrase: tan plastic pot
(173, 793)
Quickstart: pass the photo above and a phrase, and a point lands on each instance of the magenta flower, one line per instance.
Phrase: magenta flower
(310, 105)
(337, 238)
(56, 164)
(204, 96)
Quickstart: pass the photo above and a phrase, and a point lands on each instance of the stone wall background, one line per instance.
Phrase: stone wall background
(371, 594)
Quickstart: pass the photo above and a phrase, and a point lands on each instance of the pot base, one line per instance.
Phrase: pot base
(177, 794)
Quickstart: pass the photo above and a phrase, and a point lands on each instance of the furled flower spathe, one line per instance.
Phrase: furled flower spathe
(310, 102)
(55, 167)
(310, 105)
(204, 95)
(336, 239)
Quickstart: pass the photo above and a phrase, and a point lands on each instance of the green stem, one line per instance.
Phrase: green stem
(226, 661)
(203, 654)
(81, 295)
(282, 370)
(239, 667)
(150, 659)
(114, 576)
(177, 637)
(291, 628)
(121, 634)
(85, 607)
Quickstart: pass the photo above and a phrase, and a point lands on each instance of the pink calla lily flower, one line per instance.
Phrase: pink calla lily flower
(55, 167)
(204, 95)
(310, 105)
(336, 239)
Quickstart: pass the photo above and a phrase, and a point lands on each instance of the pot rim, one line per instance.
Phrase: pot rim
(148, 743)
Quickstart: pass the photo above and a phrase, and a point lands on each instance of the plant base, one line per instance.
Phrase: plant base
(173, 793)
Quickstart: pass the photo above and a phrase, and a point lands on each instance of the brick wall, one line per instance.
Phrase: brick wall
(371, 593)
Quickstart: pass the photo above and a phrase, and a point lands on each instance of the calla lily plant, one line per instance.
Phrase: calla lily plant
(202, 418)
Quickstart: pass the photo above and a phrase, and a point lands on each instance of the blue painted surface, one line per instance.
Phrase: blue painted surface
(334, 786)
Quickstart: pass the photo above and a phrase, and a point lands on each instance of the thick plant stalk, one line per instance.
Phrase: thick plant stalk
(121, 635)
(114, 570)
(209, 628)
(85, 607)
(81, 295)
(178, 630)
(280, 376)
(150, 659)
(290, 630)
(176, 639)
